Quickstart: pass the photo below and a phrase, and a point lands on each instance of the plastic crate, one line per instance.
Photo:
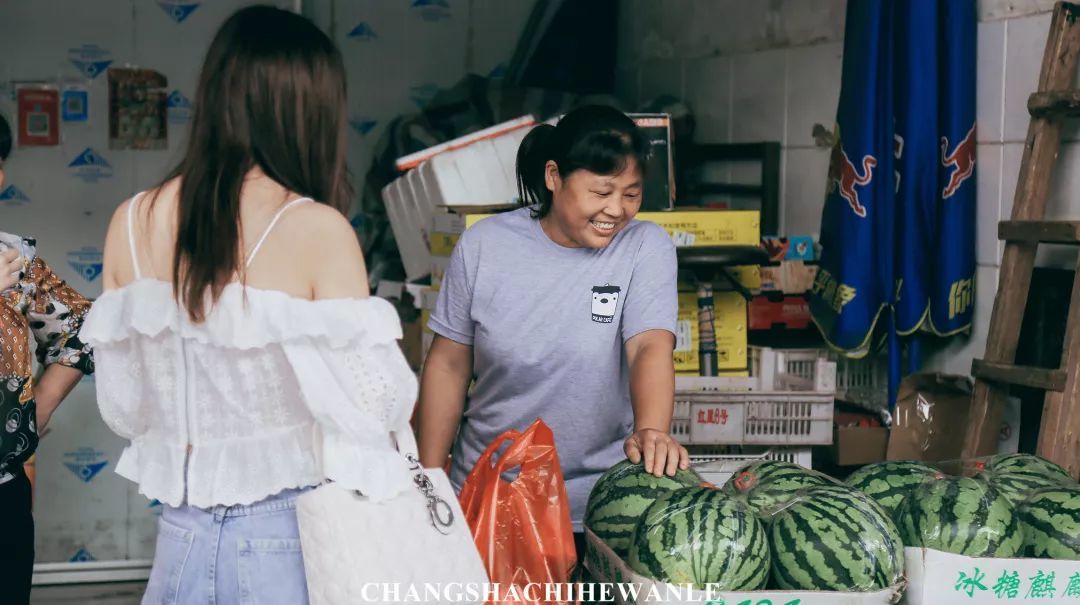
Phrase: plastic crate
(786, 401)
(862, 381)
(756, 418)
(717, 465)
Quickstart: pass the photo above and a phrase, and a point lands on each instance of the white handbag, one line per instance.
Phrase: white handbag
(358, 551)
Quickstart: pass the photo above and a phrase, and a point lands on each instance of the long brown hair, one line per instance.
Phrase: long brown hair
(271, 94)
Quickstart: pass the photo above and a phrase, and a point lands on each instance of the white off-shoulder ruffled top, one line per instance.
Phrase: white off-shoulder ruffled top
(271, 392)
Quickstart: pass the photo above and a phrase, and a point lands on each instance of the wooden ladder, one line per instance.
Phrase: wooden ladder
(1059, 433)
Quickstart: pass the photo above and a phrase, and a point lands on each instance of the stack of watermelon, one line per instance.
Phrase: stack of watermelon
(1047, 502)
(769, 484)
(701, 536)
(1051, 523)
(620, 497)
(1017, 505)
(832, 537)
(774, 520)
(1018, 476)
(960, 515)
(889, 482)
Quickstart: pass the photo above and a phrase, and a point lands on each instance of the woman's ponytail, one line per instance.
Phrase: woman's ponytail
(532, 159)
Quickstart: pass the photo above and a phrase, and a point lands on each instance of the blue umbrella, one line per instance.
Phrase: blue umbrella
(898, 229)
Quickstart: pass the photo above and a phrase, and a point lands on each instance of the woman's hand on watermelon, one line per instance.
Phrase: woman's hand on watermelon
(660, 453)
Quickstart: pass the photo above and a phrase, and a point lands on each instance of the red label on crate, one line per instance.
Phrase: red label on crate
(713, 416)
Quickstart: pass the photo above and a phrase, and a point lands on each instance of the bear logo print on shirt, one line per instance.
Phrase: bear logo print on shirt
(605, 300)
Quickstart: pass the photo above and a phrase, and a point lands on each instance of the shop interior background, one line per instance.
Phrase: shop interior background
(750, 71)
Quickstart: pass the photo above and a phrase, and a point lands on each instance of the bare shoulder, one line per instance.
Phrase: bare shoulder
(317, 221)
(326, 243)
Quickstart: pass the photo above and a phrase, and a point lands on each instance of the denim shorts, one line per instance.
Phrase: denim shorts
(244, 554)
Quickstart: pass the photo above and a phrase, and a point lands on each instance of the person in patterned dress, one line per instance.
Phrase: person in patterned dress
(33, 302)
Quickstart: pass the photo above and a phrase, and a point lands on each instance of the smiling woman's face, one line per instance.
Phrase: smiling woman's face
(589, 209)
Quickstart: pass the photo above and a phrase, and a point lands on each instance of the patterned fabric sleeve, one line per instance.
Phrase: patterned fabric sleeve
(56, 312)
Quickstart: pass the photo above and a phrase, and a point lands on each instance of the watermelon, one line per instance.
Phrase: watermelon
(888, 482)
(1051, 523)
(621, 496)
(766, 484)
(1017, 476)
(961, 515)
(1026, 463)
(701, 536)
(835, 538)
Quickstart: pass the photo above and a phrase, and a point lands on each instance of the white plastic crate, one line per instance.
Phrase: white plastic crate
(759, 418)
(786, 401)
(717, 465)
(864, 381)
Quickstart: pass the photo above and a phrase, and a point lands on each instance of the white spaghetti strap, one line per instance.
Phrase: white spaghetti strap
(131, 235)
(270, 227)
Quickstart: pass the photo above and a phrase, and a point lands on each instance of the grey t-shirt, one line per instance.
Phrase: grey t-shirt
(547, 325)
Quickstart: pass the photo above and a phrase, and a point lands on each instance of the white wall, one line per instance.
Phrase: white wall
(412, 51)
(750, 72)
(397, 55)
(771, 70)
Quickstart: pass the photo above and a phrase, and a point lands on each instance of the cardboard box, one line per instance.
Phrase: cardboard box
(787, 312)
(729, 315)
(789, 277)
(687, 227)
(700, 227)
(930, 417)
(931, 410)
(446, 226)
(940, 578)
(858, 445)
(607, 567)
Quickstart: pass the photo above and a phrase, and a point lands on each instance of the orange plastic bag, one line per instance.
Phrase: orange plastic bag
(521, 527)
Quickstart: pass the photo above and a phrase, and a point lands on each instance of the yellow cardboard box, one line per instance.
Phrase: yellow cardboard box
(709, 227)
(729, 313)
(686, 227)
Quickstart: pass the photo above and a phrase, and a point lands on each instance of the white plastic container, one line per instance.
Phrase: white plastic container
(719, 466)
(864, 381)
(941, 578)
(775, 406)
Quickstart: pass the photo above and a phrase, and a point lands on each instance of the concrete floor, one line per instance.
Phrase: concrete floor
(114, 593)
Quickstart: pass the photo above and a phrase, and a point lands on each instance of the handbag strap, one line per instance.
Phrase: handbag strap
(442, 515)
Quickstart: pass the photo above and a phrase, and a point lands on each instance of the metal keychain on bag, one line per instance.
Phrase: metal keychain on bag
(442, 516)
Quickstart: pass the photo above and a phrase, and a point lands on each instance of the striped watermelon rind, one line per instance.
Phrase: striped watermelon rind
(835, 538)
(701, 536)
(961, 515)
(1017, 476)
(621, 495)
(1027, 463)
(889, 482)
(1050, 520)
(766, 485)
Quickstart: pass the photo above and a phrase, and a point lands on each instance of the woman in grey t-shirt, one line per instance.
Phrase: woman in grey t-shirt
(562, 310)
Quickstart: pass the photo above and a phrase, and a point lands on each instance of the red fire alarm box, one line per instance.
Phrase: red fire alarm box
(39, 116)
